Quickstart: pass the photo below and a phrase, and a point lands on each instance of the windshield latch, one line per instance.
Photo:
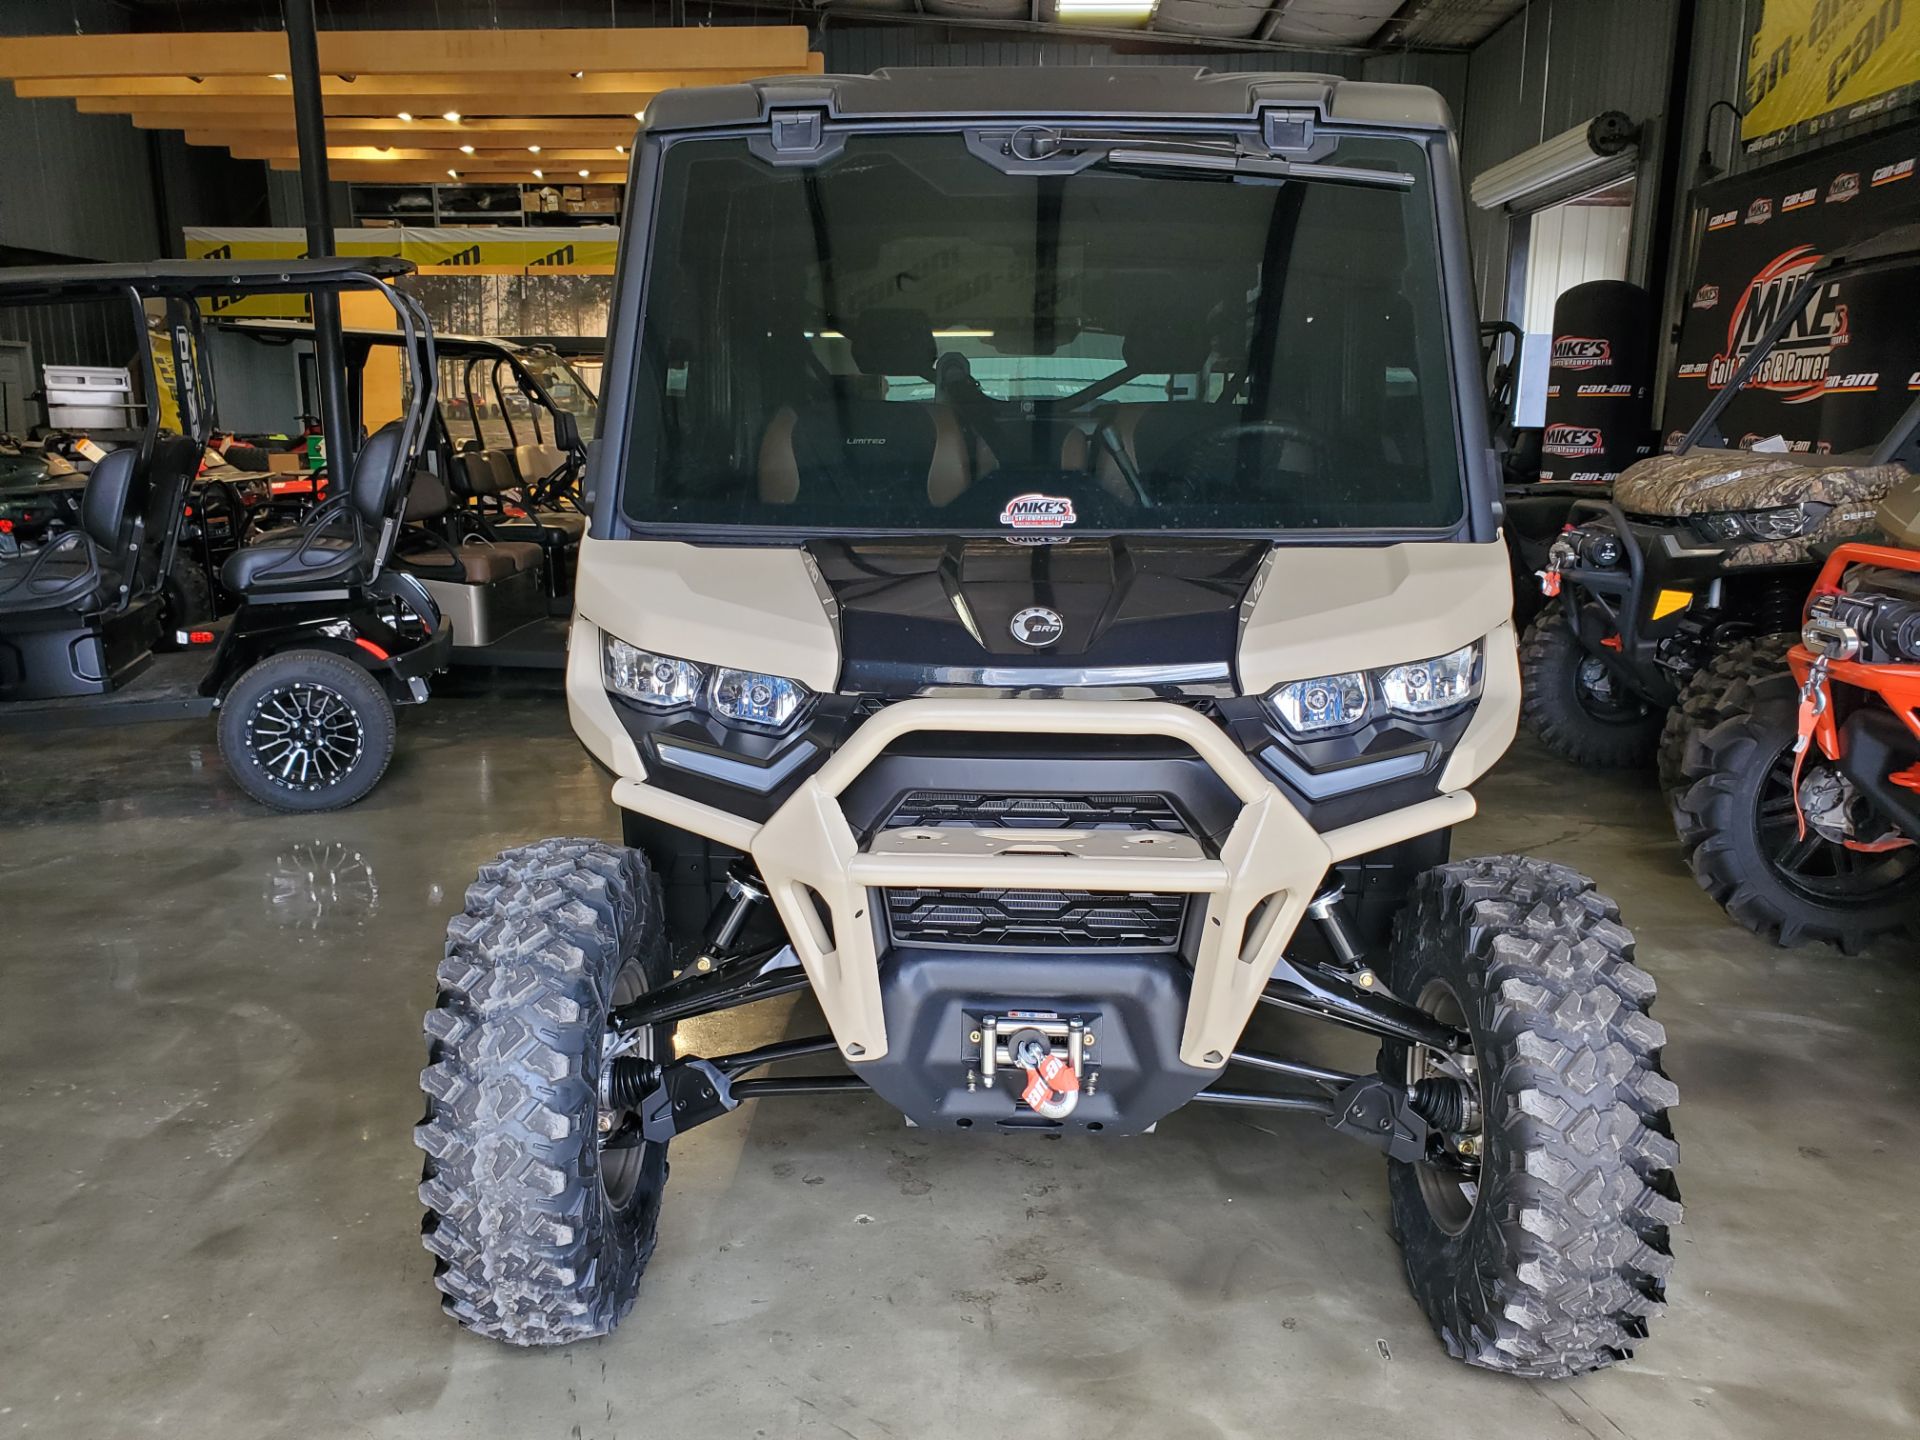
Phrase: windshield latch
(796, 132)
(1287, 131)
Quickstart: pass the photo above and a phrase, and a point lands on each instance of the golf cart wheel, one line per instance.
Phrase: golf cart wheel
(542, 1200)
(187, 595)
(1536, 1236)
(1738, 822)
(1718, 691)
(1575, 705)
(306, 730)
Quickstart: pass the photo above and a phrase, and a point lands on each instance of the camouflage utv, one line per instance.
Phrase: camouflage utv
(1693, 573)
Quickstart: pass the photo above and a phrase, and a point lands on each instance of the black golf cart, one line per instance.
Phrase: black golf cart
(508, 437)
(1694, 570)
(327, 637)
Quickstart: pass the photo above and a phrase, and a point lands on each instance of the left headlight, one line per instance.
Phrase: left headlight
(1417, 690)
(1781, 522)
(665, 682)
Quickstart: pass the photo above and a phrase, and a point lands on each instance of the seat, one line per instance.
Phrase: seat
(337, 543)
(83, 568)
(1165, 344)
(475, 559)
(857, 446)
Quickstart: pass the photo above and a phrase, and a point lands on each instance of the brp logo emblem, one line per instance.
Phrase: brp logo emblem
(1038, 626)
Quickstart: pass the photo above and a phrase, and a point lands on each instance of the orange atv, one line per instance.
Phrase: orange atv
(1802, 814)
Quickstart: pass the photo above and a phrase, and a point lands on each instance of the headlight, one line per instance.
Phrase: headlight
(663, 682)
(1331, 702)
(1428, 687)
(1782, 522)
(659, 681)
(1419, 690)
(749, 698)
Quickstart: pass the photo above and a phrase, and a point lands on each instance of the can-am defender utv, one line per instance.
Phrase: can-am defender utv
(1045, 597)
(327, 637)
(1800, 811)
(1692, 573)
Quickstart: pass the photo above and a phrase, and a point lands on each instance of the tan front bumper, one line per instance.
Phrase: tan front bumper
(1254, 892)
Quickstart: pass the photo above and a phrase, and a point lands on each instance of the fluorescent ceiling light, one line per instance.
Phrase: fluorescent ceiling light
(452, 117)
(533, 149)
(406, 118)
(583, 174)
(466, 149)
(539, 174)
(1095, 12)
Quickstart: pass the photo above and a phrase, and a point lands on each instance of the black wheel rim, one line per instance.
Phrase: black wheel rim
(1814, 867)
(304, 736)
(1449, 1184)
(1599, 695)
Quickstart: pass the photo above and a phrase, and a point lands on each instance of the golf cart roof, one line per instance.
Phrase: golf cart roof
(196, 277)
(1146, 91)
(446, 345)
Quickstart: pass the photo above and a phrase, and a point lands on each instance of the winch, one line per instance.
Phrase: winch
(1049, 1050)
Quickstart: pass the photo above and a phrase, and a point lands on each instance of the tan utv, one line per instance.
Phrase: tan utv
(1045, 599)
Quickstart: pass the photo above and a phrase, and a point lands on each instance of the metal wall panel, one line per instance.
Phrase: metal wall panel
(1554, 65)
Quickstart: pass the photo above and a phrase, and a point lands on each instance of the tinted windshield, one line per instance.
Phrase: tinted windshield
(907, 337)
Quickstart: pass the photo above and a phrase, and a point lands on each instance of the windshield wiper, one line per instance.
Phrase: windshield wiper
(1259, 167)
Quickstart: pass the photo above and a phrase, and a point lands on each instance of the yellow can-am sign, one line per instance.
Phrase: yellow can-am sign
(1814, 64)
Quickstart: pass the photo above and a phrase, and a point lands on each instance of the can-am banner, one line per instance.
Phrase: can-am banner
(1815, 64)
(1851, 362)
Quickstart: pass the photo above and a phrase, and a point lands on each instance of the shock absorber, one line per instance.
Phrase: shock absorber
(745, 895)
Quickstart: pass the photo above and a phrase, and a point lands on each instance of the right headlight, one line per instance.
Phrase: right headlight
(1415, 690)
(659, 681)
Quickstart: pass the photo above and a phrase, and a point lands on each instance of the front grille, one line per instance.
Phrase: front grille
(1036, 919)
(974, 810)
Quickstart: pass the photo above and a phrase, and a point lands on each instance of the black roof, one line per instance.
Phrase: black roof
(1081, 91)
(196, 277)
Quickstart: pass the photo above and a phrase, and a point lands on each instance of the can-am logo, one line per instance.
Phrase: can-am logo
(1899, 170)
(1038, 512)
(1693, 370)
(1860, 382)
(1796, 369)
(1801, 199)
(1572, 440)
(1580, 352)
(1724, 219)
(1602, 392)
(1706, 297)
(1844, 187)
(1760, 211)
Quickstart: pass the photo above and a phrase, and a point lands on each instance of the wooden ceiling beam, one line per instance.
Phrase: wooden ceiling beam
(762, 49)
(396, 88)
(517, 156)
(595, 133)
(413, 172)
(495, 104)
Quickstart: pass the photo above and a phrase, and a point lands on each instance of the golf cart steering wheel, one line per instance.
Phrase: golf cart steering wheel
(1200, 466)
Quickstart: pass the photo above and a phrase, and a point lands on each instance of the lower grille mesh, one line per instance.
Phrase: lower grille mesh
(1036, 919)
(976, 810)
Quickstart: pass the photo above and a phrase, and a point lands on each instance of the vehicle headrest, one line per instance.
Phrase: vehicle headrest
(892, 342)
(426, 496)
(1167, 343)
(105, 502)
(375, 473)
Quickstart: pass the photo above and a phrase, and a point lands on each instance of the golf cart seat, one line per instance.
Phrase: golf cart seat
(336, 544)
(489, 475)
(126, 514)
(860, 445)
(485, 586)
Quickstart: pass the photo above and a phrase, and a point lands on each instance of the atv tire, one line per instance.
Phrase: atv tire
(1552, 1258)
(540, 1236)
(1567, 700)
(1737, 822)
(1718, 691)
(306, 730)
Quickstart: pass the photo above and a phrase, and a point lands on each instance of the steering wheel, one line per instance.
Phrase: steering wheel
(1231, 456)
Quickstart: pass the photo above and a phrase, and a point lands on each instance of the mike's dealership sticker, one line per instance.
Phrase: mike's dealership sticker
(1038, 512)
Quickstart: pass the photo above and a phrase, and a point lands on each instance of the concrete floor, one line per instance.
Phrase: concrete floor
(207, 1218)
